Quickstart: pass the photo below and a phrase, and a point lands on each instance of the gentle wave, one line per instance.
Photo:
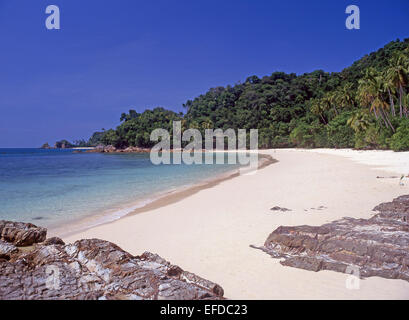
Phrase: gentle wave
(62, 187)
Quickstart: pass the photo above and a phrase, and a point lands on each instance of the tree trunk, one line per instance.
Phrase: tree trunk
(376, 115)
(405, 110)
(393, 112)
(383, 118)
(400, 101)
(323, 119)
(387, 121)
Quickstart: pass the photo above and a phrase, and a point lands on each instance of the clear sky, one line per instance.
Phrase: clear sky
(110, 56)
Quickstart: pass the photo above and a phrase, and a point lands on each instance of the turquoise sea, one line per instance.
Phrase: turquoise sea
(54, 187)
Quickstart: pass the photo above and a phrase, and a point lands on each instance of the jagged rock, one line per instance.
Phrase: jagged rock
(135, 150)
(99, 148)
(6, 250)
(21, 234)
(53, 240)
(378, 246)
(132, 150)
(109, 149)
(96, 269)
(129, 149)
(112, 149)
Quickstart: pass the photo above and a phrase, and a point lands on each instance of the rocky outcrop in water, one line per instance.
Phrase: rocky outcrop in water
(378, 246)
(112, 149)
(89, 269)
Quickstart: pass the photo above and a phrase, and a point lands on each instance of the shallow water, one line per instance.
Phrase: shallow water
(53, 187)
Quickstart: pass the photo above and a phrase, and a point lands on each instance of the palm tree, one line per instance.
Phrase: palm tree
(317, 107)
(346, 96)
(334, 98)
(390, 88)
(397, 74)
(406, 102)
(329, 101)
(366, 89)
(360, 121)
(371, 93)
(207, 124)
(380, 101)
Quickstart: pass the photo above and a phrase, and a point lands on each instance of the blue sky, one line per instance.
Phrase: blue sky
(110, 56)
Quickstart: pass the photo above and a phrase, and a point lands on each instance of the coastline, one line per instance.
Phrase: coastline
(210, 232)
(158, 200)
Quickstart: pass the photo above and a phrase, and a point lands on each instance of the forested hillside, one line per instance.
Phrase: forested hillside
(364, 106)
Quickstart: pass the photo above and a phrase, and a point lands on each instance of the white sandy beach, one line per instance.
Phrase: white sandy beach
(209, 232)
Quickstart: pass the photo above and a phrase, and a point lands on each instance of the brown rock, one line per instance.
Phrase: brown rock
(53, 240)
(109, 149)
(21, 234)
(379, 246)
(276, 208)
(96, 269)
(6, 250)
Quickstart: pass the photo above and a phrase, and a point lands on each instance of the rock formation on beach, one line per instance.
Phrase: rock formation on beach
(112, 149)
(33, 267)
(45, 146)
(21, 234)
(378, 246)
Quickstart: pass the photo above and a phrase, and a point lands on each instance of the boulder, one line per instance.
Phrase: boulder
(377, 246)
(109, 149)
(134, 150)
(54, 240)
(95, 269)
(21, 234)
(112, 149)
(7, 249)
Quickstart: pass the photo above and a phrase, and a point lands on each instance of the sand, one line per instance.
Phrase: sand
(209, 231)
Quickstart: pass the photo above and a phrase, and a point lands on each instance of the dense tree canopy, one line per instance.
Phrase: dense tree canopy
(364, 106)
(359, 107)
(136, 128)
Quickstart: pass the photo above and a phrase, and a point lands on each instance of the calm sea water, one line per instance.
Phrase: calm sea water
(53, 187)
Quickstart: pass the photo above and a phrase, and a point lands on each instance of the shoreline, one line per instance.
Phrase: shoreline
(210, 232)
(159, 200)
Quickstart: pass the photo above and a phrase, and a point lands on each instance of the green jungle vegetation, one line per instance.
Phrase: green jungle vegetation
(365, 106)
